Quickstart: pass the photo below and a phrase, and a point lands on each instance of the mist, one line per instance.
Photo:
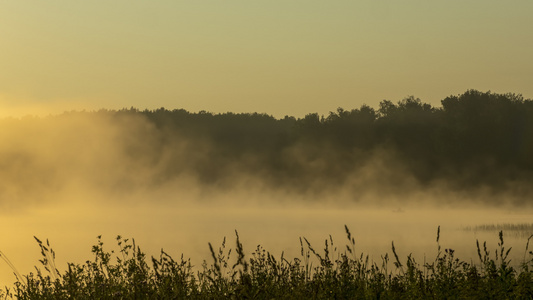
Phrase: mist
(178, 180)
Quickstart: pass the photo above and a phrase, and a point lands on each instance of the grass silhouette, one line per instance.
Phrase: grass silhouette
(334, 273)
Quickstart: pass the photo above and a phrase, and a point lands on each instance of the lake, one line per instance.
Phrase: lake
(187, 226)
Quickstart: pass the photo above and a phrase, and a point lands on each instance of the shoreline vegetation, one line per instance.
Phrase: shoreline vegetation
(518, 230)
(334, 273)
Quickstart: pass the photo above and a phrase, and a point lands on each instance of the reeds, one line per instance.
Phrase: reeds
(327, 274)
(521, 230)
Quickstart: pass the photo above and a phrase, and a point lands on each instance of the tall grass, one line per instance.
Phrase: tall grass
(333, 273)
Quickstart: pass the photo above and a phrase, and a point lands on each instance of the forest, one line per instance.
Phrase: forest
(474, 141)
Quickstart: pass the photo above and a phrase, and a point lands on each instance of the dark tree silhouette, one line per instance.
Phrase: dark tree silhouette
(475, 139)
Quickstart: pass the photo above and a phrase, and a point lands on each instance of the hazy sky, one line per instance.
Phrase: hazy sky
(280, 57)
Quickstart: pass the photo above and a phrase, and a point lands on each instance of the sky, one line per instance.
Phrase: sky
(289, 57)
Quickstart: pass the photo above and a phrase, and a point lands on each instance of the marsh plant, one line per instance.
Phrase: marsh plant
(520, 230)
(333, 273)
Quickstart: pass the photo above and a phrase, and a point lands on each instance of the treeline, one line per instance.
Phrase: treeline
(474, 139)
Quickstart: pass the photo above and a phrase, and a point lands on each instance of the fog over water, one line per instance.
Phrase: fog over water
(72, 177)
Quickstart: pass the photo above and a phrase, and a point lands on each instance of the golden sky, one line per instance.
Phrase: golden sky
(281, 57)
